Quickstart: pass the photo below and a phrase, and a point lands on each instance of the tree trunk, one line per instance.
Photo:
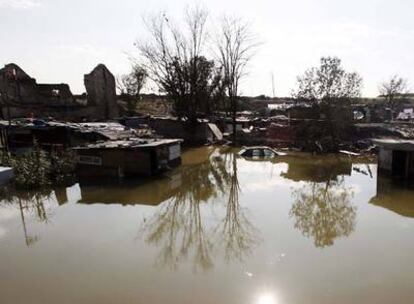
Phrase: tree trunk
(234, 112)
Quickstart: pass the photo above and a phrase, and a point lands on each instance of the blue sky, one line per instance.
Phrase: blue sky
(59, 41)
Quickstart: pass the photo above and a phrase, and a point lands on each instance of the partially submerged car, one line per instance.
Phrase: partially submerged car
(260, 152)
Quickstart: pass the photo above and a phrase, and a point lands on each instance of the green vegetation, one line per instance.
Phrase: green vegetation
(38, 168)
(330, 89)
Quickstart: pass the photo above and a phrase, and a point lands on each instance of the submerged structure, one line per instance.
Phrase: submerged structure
(171, 127)
(133, 157)
(396, 157)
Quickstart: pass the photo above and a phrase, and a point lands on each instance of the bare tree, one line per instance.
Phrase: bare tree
(236, 46)
(173, 57)
(393, 89)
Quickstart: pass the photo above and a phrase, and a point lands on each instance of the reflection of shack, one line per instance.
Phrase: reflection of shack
(318, 169)
(394, 197)
(135, 157)
(152, 192)
(396, 157)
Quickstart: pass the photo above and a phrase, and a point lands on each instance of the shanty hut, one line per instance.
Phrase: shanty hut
(396, 157)
(134, 157)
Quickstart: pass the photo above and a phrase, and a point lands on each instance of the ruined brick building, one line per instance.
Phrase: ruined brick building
(101, 91)
(22, 96)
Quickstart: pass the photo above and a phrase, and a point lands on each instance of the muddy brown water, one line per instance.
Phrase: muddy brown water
(219, 229)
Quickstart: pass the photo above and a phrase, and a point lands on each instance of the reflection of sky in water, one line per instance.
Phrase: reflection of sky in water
(266, 298)
(301, 230)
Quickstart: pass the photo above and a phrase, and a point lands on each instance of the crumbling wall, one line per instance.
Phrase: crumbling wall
(19, 90)
(21, 96)
(16, 85)
(101, 91)
(55, 94)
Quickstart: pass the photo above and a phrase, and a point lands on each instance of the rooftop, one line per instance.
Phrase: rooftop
(131, 143)
(395, 144)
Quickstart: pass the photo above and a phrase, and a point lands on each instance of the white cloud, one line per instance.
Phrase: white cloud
(20, 4)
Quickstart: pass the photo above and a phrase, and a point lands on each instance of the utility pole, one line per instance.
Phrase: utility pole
(273, 86)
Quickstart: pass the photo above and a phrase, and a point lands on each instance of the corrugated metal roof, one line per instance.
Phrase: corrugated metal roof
(133, 143)
(395, 144)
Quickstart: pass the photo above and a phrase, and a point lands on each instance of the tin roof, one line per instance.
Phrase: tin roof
(395, 144)
(131, 143)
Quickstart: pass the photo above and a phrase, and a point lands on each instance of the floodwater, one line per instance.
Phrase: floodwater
(219, 229)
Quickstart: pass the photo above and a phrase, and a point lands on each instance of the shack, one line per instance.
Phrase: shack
(22, 133)
(396, 157)
(199, 133)
(132, 157)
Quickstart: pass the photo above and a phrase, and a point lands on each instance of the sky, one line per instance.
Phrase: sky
(58, 41)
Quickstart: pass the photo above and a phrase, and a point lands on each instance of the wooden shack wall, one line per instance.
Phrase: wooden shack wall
(385, 159)
(177, 129)
(117, 162)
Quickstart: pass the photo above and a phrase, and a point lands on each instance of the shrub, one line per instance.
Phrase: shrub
(37, 168)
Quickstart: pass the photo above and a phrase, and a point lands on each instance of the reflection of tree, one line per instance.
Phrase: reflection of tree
(29, 203)
(177, 228)
(324, 211)
(237, 233)
(180, 228)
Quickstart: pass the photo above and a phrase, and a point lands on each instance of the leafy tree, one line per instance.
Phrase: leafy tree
(328, 83)
(330, 88)
(393, 89)
(131, 84)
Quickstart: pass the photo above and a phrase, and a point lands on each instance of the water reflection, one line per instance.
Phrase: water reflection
(322, 207)
(208, 214)
(29, 204)
(394, 196)
(266, 298)
(180, 228)
(238, 234)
